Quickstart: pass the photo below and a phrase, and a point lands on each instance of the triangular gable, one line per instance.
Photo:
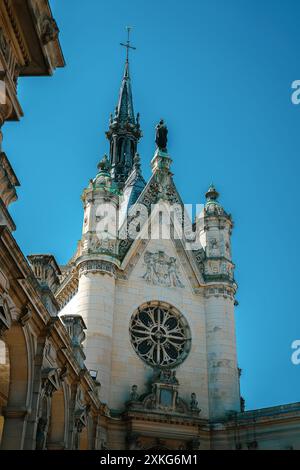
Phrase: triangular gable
(168, 252)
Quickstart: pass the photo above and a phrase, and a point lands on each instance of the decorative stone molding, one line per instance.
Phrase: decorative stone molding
(217, 291)
(93, 266)
(17, 32)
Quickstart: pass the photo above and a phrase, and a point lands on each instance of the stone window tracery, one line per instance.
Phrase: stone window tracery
(160, 335)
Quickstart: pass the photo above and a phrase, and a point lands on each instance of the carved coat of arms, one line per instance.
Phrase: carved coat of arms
(161, 269)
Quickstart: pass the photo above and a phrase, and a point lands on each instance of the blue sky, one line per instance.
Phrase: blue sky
(219, 72)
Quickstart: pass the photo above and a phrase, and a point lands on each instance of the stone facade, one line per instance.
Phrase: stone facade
(131, 345)
(48, 398)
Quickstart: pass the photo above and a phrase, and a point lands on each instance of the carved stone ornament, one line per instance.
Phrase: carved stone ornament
(101, 243)
(163, 396)
(80, 415)
(161, 270)
(49, 30)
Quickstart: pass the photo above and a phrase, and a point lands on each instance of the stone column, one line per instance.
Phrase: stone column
(223, 381)
(95, 304)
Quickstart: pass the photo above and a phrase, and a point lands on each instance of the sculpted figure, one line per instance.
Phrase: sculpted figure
(134, 396)
(194, 402)
(41, 434)
(173, 275)
(161, 138)
(150, 275)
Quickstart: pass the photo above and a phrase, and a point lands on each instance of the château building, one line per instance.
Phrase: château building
(131, 345)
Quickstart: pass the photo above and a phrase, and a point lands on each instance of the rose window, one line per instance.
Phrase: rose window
(160, 335)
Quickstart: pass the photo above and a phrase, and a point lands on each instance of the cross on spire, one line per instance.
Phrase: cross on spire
(128, 45)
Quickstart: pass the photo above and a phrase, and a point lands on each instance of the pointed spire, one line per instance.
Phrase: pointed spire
(124, 129)
(125, 105)
(125, 111)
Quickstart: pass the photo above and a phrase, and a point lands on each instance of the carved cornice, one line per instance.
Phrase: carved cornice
(93, 266)
(17, 31)
(219, 289)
